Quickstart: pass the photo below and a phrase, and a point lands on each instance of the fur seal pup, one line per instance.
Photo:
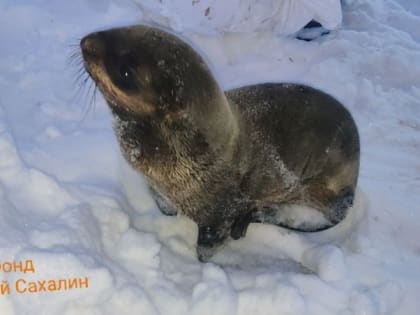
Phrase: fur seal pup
(224, 159)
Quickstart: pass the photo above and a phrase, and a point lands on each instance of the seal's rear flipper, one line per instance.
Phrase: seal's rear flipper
(294, 217)
(307, 219)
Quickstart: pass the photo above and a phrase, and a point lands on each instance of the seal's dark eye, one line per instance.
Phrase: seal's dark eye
(126, 76)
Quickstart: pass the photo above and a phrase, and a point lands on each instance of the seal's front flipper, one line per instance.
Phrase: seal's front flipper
(209, 239)
(240, 226)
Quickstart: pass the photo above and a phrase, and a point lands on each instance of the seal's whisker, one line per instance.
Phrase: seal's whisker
(75, 57)
(81, 89)
(79, 92)
(81, 83)
(84, 91)
(75, 54)
(94, 97)
(74, 45)
(80, 78)
(85, 110)
(76, 61)
(75, 42)
(89, 95)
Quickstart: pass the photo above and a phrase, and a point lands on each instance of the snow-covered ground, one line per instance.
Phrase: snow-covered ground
(69, 203)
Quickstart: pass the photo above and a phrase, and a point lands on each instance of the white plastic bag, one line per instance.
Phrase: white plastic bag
(295, 14)
(218, 16)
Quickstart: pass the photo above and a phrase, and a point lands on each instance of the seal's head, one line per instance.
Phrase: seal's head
(143, 70)
(152, 76)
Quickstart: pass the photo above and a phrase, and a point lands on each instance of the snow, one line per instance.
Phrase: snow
(69, 202)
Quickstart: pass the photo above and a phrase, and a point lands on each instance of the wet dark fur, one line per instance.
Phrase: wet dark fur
(222, 159)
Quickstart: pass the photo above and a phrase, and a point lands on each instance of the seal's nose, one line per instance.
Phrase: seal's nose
(91, 45)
